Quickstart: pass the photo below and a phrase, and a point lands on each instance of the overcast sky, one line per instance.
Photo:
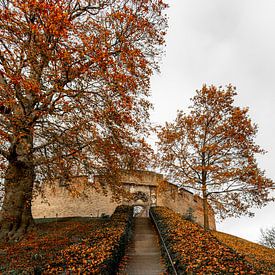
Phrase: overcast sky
(220, 42)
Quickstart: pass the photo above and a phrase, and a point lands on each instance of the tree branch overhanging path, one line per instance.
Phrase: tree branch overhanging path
(212, 151)
(74, 82)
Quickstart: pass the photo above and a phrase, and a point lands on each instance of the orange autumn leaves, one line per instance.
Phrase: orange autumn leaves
(99, 252)
(41, 245)
(261, 257)
(74, 86)
(195, 250)
(76, 246)
(212, 151)
(88, 255)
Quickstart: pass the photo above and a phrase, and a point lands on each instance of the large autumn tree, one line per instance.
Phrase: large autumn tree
(212, 151)
(74, 85)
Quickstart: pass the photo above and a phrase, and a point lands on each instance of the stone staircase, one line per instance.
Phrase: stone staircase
(143, 256)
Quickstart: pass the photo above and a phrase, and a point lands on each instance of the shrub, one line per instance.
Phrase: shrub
(189, 215)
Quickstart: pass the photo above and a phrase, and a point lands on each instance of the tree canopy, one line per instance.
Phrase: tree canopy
(74, 82)
(212, 151)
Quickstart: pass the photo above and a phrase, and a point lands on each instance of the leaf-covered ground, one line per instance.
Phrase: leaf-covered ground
(93, 246)
(195, 251)
(69, 247)
(261, 257)
(41, 245)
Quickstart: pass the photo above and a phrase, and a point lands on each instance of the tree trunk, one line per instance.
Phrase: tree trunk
(204, 193)
(205, 204)
(16, 216)
(205, 211)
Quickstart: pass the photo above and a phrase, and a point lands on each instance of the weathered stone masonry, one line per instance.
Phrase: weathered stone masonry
(148, 189)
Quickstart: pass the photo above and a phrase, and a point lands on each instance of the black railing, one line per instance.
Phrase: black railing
(168, 256)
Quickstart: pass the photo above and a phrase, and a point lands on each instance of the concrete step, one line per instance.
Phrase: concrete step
(143, 256)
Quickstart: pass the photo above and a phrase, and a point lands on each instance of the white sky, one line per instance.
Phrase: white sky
(220, 42)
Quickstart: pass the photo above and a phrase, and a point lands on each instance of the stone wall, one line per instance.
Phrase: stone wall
(147, 189)
(182, 202)
(146, 178)
(60, 202)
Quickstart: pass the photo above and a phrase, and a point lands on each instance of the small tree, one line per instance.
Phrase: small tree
(212, 151)
(268, 237)
(189, 215)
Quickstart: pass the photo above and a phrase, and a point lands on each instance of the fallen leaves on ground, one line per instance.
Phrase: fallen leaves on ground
(261, 257)
(196, 251)
(70, 247)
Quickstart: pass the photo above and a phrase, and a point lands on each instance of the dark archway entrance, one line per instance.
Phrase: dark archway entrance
(140, 211)
(141, 203)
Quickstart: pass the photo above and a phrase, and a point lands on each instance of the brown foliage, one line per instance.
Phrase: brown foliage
(262, 258)
(212, 151)
(70, 246)
(196, 251)
(41, 246)
(74, 81)
(74, 77)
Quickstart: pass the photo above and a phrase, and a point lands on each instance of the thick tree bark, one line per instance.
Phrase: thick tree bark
(16, 216)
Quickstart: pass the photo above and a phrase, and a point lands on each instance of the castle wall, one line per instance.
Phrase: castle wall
(62, 203)
(145, 178)
(148, 189)
(181, 201)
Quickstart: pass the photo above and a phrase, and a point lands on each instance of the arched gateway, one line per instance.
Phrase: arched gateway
(146, 188)
(143, 187)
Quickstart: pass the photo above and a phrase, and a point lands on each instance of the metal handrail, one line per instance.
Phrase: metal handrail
(164, 245)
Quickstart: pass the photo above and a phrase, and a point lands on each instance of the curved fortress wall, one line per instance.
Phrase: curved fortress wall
(148, 189)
